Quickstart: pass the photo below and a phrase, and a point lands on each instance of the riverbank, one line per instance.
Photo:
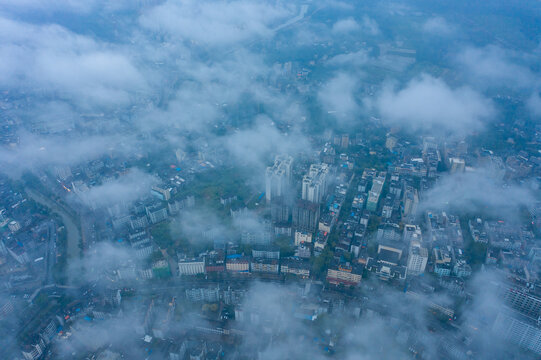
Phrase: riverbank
(72, 229)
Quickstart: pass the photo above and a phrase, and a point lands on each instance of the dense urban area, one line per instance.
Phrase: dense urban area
(270, 180)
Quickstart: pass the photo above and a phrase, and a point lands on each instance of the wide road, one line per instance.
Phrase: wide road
(72, 230)
(51, 252)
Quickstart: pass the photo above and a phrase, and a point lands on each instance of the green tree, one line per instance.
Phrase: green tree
(321, 263)
(161, 234)
(286, 246)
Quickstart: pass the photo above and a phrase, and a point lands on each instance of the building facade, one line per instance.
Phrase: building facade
(417, 259)
(314, 184)
(277, 177)
(191, 267)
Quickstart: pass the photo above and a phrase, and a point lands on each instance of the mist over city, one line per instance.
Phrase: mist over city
(268, 180)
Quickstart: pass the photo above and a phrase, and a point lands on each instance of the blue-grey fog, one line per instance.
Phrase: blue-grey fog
(234, 179)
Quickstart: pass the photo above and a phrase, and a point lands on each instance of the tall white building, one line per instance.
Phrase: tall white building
(277, 177)
(410, 199)
(417, 259)
(375, 191)
(314, 183)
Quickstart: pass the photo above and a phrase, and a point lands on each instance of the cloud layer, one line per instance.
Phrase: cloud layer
(428, 103)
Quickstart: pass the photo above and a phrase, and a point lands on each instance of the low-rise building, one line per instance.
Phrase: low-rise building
(266, 252)
(260, 265)
(191, 266)
(302, 237)
(344, 274)
(208, 295)
(215, 261)
(237, 263)
(296, 267)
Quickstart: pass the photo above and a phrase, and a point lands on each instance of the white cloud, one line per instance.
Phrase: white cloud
(438, 26)
(54, 59)
(495, 66)
(370, 26)
(34, 152)
(73, 7)
(76, 6)
(216, 23)
(338, 94)
(99, 261)
(254, 146)
(429, 103)
(478, 191)
(355, 59)
(125, 189)
(349, 25)
(345, 26)
(534, 104)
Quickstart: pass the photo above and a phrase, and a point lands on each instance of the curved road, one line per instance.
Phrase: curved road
(73, 231)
